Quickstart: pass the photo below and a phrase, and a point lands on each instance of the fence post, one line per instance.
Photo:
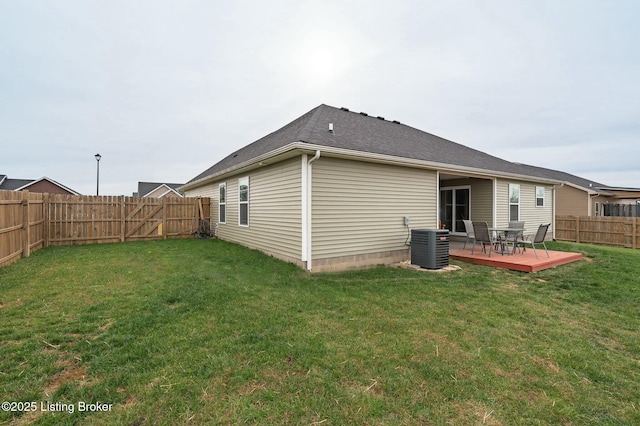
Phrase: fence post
(45, 218)
(163, 201)
(123, 210)
(577, 229)
(26, 250)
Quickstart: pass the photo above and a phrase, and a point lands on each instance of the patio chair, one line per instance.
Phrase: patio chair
(537, 239)
(468, 228)
(517, 236)
(482, 236)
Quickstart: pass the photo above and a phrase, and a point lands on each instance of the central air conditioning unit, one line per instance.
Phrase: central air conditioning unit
(430, 248)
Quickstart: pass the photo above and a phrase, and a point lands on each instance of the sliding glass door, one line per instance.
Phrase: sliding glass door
(455, 206)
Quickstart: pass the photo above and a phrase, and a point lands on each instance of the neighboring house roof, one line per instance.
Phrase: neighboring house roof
(14, 184)
(146, 188)
(22, 184)
(618, 188)
(577, 181)
(359, 132)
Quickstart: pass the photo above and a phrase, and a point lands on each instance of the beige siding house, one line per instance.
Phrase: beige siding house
(358, 211)
(336, 189)
(534, 206)
(575, 201)
(577, 196)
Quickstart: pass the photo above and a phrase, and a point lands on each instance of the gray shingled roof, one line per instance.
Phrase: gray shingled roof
(369, 134)
(13, 184)
(575, 180)
(565, 177)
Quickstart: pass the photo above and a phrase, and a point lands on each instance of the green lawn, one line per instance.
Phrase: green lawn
(207, 332)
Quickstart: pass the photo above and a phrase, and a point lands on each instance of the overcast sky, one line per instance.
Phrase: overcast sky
(163, 90)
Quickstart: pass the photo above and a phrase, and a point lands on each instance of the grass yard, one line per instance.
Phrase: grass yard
(208, 332)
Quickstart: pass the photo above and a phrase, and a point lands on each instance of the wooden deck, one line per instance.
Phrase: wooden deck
(524, 262)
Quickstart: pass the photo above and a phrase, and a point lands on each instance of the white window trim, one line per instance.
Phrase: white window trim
(453, 188)
(224, 184)
(244, 202)
(544, 196)
(513, 204)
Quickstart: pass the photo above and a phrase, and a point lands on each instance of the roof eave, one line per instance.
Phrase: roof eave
(442, 167)
(240, 166)
(365, 156)
(589, 191)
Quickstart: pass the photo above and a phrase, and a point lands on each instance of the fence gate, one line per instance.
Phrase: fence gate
(104, 219)
(30, 221)
(143, 218)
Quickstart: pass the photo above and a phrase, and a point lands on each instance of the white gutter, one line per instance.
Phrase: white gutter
(307, 179)
(403, 161)
(360, 155)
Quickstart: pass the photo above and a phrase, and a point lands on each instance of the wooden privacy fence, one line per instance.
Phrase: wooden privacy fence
(21, 224)
(30, 221)
(610, 231)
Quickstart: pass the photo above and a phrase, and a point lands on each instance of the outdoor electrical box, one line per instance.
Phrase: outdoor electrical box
(430, 248)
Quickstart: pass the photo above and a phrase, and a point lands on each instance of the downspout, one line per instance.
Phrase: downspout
(308, 210)
(495, 202)
(553, 212)
(304, 168)
(590, 206)
(438, 219)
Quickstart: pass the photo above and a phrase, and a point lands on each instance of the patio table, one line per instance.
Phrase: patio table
(507, 233)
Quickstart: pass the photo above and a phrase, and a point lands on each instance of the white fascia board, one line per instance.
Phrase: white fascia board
(168, 190)
(239, 167)
(441, 167)
(365, 156)
(582, 188)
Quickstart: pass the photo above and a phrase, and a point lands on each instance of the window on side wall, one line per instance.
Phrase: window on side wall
(243, 201)
(539, 196)
(514, 202)
(222, 203)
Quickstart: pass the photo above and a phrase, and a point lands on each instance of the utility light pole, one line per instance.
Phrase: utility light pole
(98, 157)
